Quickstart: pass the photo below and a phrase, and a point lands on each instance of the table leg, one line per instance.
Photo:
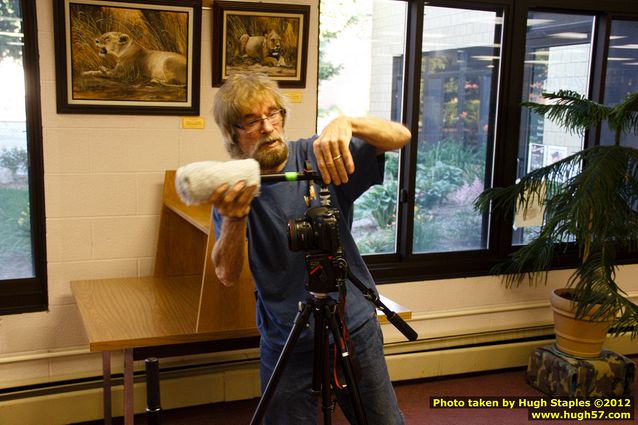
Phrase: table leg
(106, 386)
(128, 387)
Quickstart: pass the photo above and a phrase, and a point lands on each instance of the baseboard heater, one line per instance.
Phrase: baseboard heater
(79, 400)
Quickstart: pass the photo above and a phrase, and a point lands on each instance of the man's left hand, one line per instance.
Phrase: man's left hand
(332, 151)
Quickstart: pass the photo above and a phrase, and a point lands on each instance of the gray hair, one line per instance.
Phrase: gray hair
(235, 98)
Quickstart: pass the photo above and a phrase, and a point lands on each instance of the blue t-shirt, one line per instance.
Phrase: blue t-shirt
(280, 274)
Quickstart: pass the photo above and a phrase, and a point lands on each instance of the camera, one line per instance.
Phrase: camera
(318, 230)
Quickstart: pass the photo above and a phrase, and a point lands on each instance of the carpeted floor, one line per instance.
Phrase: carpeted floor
(414, 399)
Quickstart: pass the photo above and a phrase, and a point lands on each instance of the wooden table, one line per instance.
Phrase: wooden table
(130, 313)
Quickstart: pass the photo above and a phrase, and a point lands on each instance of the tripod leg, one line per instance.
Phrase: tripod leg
(300, 322)
(346, 366)
(322, 366)
(316, 360)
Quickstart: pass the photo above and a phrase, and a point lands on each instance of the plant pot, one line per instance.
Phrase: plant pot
(576, 337)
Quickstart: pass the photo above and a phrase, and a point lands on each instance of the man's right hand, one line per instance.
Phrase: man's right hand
(233, 202)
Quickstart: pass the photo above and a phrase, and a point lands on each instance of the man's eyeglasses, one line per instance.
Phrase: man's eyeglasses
(274, 118)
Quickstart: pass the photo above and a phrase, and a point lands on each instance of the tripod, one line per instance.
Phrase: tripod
(327, 320)
(328, 274)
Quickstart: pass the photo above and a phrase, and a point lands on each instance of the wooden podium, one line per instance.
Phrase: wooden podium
(184, 246)
(181, 309)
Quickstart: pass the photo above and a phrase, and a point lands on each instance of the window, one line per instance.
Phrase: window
(459, 69)
(456, 72)
(557, 56)
(360, 45)
(621, 77)
(22, 257)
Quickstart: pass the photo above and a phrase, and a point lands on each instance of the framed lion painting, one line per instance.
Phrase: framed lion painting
(261, 37)
(123, 57)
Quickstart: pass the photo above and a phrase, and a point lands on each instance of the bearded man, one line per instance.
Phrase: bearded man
(349, 153)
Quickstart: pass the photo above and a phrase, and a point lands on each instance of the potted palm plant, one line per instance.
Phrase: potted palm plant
(590, 199)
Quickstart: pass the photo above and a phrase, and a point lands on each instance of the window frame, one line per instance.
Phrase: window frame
(30, 294)
(404, 265)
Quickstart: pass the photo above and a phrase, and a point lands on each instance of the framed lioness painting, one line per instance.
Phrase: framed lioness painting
(261, 37)
(123, 57)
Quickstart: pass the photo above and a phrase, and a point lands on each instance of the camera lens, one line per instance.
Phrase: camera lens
(299, 235)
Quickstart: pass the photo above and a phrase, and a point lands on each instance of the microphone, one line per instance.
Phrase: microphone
(196, 182)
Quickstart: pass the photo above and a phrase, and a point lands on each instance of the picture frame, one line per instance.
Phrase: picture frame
(260, 37)
(127, 57)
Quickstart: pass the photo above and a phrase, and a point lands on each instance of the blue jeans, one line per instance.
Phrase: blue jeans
(293, 401)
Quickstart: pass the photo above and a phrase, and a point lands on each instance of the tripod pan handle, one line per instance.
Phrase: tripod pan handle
(402, 326)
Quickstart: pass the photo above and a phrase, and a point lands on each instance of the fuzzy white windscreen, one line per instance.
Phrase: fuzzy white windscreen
(196, 182)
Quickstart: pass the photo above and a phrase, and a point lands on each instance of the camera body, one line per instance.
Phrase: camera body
(318, 230)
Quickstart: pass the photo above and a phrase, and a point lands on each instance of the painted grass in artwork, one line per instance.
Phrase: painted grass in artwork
(151, 29)
(239, 25)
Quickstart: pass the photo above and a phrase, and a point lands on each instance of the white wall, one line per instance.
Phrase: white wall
(103, 177)
(103, 181)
